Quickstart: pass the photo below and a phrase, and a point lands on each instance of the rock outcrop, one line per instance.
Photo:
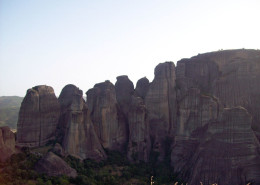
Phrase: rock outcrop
(38, 117)
(142, 87)
(229, 153)
(79, 138)
(7, 143)
(204, 114)
(139, 144)
(160, 102)
(102, 104)
(53, 165)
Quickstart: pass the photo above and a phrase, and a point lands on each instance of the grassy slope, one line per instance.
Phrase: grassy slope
(9, 109)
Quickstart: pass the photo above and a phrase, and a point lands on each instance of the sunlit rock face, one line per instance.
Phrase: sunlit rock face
(76, 129)
(103, 107)
(160, 102)
(229, 152)
(38, 117)
(232, 76)
(7, 143)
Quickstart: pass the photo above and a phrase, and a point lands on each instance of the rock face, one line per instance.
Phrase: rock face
(103, 108)
(229, 150)
(139, 144)
(78, 135)
(124, 91)
(204, 114)
(52, 165)
(142, 87)
(7, 143)
(161, 106)
(38, 117)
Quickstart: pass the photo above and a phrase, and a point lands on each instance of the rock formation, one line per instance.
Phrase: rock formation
(160, 102)
(229, 152)
(76, 129)
(53, 165)
(142, 87)
(38, 117)
(7, 143)
(204, 114)
(139, 144)
(103, 108)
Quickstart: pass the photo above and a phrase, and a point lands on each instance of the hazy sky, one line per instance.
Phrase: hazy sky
(83, 42)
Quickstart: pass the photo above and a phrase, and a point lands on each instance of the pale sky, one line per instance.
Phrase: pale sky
(83, 42)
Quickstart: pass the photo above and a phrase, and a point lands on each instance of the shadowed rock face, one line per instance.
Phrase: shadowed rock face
(7, 143)
(229, 150)
(142, 87)
(53, 165)
(79, 137)
(161, 106)
(38, 117)
(139, 144)
(103, 108)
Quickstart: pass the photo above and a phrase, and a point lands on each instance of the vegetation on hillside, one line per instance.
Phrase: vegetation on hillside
(19, 169)
(9, 110)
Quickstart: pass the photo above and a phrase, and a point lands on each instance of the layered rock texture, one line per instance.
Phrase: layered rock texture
(38, 117)
(7, 143)
(203, 114)
(76, 130)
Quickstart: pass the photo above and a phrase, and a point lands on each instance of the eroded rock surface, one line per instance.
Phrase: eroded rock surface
(53, 165)
(142, 87)
(79, 138)
(38, 117)
(229, 153)
(161, 106)
(139, 144)
(102, 104)
(7, 143)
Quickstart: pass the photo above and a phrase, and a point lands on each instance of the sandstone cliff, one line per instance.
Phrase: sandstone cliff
(38, 117)
(204, 115)
(103, 108)
(76, 128)
(160, 102)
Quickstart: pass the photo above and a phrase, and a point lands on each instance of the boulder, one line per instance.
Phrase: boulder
(53, 165)
(38, 117)
(79, 138)
(7, 143)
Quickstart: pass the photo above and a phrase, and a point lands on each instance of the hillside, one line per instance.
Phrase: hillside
(9, 109)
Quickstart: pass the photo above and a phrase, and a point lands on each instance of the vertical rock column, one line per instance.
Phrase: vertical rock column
(78, 135)
(103, 107)
(38, 117)
(161, 106)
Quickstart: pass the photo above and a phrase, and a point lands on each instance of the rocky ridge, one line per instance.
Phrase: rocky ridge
(204, 113)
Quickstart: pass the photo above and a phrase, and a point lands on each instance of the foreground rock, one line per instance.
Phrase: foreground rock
(52, 165)
(79, 138)
(7, 143)
(38, 117)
